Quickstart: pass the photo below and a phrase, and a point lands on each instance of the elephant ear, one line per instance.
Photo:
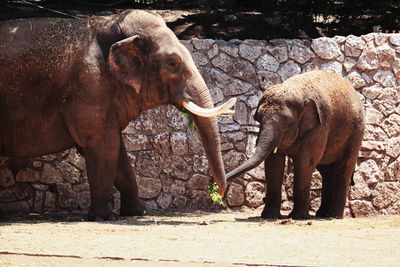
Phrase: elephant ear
(310, 117)
(257, 116)
(125, 61)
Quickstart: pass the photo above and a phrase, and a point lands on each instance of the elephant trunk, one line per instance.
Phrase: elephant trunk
(209, 134)
(267, 141)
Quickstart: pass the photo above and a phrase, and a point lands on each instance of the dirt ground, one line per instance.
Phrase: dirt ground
(199, 239)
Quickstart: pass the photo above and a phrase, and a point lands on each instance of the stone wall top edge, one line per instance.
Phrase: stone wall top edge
(279, 40)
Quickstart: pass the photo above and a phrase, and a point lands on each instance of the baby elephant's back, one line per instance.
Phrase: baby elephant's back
(339, 101)
(342, 113)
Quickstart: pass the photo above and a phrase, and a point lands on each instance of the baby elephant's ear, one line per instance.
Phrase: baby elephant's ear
(257, 116)
(125, 61)
(310, 117)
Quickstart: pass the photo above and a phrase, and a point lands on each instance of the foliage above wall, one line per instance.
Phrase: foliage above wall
(233, 19)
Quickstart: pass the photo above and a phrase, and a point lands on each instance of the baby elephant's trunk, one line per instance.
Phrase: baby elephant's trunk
(266, 143)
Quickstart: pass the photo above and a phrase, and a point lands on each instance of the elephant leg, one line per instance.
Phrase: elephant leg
(326, 172)
(305, 161)
(274, 170)
(304, 165)
(343, 171)
(101, 160)
(126, 183)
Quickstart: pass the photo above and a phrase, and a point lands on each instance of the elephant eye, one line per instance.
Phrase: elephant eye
(173, 61)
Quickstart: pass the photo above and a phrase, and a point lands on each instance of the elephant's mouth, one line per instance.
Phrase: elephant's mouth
(223, 110)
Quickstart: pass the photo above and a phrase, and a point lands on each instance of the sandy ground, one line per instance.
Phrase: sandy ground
(200, 238)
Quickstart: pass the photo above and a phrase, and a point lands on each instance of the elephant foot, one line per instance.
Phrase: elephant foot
(299, 215)
(136, 209)
(322, 213)
(271, 214)
(101, 215)
(335, 215)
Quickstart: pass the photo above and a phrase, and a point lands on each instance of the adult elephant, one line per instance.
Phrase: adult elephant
(317, 119)
(71, 82)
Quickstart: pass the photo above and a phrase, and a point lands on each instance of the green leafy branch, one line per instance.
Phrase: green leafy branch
(191, 124)
(213, 194)
(185, 114)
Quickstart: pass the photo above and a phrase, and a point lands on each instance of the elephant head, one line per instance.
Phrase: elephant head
(160, 70)
(285, 117)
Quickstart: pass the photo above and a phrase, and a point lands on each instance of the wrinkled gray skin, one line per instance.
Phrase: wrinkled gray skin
(316, 119)
(66, 83)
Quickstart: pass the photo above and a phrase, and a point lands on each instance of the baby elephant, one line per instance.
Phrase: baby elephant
(317, 119)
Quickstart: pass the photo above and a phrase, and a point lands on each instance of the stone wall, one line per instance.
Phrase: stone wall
(169, 160)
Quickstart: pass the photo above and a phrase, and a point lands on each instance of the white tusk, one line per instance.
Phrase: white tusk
(222, 110)
(276, 149)
(228, 113)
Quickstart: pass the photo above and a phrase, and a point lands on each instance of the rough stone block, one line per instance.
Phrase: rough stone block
(6, 178)
(251, 50)
(177, 167)
(254, 194)
(354, 46)
(326, 48)
(179, 143)
(362, 208)
(199, 182)
(76, 159)
(164, 201)
(148, 187)
(148, 164)
(50, 175)
(222, 62)
(235, 195)
(288, 69)
(385, 194)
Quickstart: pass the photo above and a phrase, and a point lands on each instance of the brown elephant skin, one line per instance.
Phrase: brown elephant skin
(75, 82)
(316, 119)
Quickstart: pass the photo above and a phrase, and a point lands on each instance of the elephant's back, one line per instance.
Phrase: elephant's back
(342, 95)
(320, 81)
(32, 38)
(338, 99)
(325, 86)
(37, 51)
(343, 103)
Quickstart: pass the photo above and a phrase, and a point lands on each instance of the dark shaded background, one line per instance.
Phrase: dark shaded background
(234, 19)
